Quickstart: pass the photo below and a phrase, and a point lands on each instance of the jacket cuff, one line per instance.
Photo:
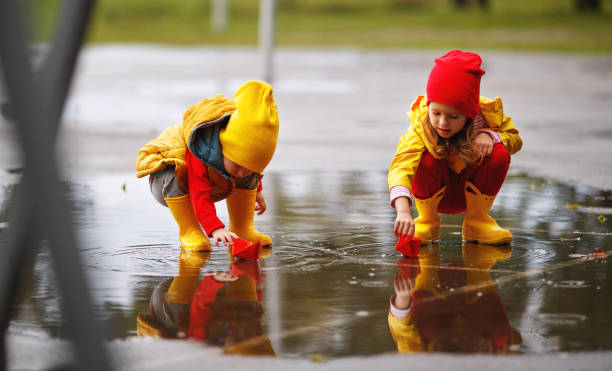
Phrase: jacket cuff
(399, 191)
(396, 312)
(211, 224)
(494, 135)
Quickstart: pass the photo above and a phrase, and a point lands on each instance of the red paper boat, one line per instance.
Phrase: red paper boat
(249, 268)
(246, 250)
(409, 267)
(409, 246)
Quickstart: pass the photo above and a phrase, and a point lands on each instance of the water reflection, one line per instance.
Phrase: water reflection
(451, 306)
(223, 309)
(331, 272)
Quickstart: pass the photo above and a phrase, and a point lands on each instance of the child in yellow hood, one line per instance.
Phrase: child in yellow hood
(455, 155)
(218, 152)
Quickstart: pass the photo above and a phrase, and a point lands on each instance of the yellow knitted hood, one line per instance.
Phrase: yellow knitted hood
(249, 139)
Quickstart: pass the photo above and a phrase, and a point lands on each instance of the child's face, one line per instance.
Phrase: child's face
(234, 169)
(446, 120)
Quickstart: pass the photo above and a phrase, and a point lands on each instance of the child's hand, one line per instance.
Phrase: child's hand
(404, 225)
(403, 289)
(224, 236)
(260, 203)
(225, 277)
(483, 143)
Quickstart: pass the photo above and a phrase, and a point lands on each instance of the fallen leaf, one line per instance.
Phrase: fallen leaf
(317, 358)
(602, 219)
(572, 206)
(597, 255)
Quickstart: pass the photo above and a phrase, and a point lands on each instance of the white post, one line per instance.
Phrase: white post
(266, 37)
(219, 15)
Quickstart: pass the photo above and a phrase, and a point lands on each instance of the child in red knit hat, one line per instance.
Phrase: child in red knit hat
(455, 155)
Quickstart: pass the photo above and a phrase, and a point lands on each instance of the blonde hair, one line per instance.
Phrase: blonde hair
(461, 142)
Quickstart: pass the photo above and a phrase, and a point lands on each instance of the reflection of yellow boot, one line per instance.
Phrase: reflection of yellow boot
(241, 208)
(479, 258)
(429, 261)
(184, 285)
(477, 224)
(190, 262)
(483, 256)
(191, 235)
(427, 225)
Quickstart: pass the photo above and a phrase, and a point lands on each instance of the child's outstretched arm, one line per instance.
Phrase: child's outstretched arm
(260, 203)
(199, 192)
(401, 172)
(403, 292)
(404, 224)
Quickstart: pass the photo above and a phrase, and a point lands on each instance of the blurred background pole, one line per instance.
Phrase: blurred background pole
(220, 15)
(266, 37)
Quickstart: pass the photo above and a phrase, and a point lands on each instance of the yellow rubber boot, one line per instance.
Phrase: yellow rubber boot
(241, 208)
(477, 224)
(427, 225)
(191, 235)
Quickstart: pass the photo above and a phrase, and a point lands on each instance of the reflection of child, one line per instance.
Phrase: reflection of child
(227, 311)
(431, 313)
(218, 152)
(455, 155)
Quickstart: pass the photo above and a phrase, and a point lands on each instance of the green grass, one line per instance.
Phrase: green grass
(534, 25)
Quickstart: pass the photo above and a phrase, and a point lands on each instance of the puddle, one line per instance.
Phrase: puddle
(324, 289)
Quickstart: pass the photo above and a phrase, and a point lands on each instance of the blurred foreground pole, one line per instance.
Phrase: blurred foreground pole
(267, 10)
(40, 209)
(220, 15)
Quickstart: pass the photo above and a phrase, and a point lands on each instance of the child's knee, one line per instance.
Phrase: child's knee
(429, 163)
(165, 185)
(499, 157)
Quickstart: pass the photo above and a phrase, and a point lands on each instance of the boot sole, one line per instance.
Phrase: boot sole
(504, 241)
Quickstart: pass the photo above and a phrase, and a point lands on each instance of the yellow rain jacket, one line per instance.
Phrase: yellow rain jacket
(417, 140)
(197, 133)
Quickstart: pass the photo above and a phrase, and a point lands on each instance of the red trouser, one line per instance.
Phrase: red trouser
(433, 174)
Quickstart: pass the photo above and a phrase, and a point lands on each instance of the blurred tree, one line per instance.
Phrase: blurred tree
(404, 4)
(286, 4)
(483, 4)
(588, 5)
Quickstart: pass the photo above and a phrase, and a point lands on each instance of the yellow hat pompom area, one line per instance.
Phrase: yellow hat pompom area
(249, 139)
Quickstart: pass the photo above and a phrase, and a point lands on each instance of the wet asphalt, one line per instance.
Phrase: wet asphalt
(340, 110)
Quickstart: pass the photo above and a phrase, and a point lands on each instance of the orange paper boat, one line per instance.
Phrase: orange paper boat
(409, 246)
(246, 250)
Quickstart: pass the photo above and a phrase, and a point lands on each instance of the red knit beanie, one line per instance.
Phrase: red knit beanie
(455, 80)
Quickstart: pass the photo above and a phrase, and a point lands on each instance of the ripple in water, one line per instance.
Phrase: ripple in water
(561, 319)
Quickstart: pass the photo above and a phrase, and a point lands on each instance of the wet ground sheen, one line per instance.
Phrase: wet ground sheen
(323, 290)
